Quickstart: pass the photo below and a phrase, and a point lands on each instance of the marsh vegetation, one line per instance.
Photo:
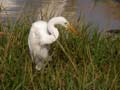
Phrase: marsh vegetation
(89, 61)
(85, 62)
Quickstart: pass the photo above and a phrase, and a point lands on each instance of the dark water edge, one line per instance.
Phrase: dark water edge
(102, 15)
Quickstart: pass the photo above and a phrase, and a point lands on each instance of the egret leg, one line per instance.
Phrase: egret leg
(39, 63)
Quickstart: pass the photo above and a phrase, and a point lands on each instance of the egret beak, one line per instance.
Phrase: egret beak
(1, 34)
(72, 29)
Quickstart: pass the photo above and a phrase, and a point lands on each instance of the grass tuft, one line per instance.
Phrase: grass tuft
(90, 61)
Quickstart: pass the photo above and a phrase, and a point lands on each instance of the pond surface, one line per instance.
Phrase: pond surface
(105, 16)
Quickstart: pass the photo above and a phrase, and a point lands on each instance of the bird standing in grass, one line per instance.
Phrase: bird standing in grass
(41, 35)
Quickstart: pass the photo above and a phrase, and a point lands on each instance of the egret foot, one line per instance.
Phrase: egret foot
(39, 66)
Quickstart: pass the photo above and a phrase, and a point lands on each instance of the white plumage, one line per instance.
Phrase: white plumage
(42, 34)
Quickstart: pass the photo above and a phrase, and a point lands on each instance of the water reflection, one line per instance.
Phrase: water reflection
(105, 16)
(98, 14)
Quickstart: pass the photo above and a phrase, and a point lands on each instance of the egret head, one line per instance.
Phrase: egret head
(68, 25)
(65, 23)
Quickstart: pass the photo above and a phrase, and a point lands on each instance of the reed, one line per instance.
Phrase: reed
(84, 62)
(90, 61)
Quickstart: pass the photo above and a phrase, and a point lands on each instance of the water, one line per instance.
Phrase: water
(101, 15)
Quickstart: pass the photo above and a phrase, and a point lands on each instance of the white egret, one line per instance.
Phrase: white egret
(42, 34)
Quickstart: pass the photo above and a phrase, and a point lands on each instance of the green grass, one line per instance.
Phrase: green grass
(90, 61)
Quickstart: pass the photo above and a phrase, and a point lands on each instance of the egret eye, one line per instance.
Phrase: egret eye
(65, 23)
